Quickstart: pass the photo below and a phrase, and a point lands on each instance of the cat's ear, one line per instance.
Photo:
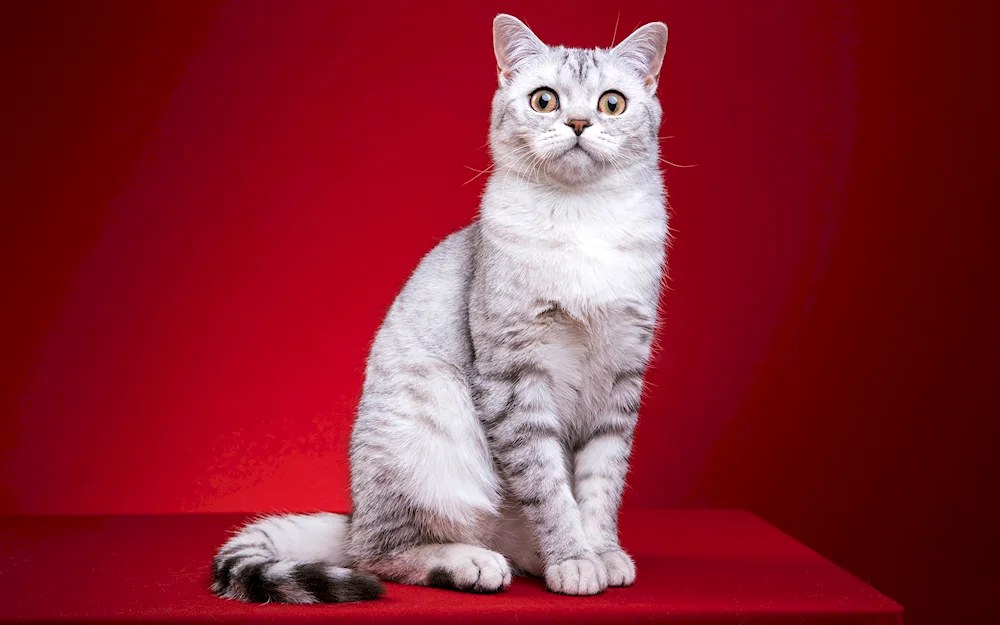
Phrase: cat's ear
(513, 43)
(644, 50)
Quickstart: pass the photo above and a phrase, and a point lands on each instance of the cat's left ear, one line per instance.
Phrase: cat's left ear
(644, 50)
(513, 44)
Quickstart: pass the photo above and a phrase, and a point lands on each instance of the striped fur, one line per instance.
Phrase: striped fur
(290, 559)
(503, 387)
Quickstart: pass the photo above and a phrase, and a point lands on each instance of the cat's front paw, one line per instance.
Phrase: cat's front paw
(621, 568)
(585, 575)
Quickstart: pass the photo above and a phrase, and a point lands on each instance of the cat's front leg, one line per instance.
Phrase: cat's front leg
(601, 461)
(518, 411)
(599, 468)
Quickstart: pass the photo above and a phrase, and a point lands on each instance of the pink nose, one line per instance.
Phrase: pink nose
(578, 125)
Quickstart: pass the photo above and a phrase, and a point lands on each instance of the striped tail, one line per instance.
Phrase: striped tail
(293, 558)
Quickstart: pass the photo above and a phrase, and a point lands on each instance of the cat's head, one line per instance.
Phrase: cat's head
(568, 116)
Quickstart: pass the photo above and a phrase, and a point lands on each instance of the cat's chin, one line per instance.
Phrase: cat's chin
(574, 166)
(579, 152)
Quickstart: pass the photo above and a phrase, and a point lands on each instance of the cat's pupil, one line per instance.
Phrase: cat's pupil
(545, 98)
(612, 103)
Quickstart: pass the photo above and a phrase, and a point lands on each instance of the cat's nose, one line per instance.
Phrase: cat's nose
(578, 125)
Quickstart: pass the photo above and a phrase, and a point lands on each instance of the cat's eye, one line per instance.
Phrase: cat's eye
(611, 103)
(544, 100)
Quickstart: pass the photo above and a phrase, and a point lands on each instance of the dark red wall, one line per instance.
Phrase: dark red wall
(207, 208)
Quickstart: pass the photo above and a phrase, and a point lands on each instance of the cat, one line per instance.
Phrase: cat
(502, 389)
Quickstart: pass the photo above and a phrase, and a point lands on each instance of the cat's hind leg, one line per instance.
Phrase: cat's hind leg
(423, 480)
(455, 566)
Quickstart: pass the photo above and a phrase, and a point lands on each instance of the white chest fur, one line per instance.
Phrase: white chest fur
(584, 251)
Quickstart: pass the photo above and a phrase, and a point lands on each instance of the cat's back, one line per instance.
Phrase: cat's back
(429, 317)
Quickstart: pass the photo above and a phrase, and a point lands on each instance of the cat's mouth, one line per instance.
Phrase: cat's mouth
(578, 148)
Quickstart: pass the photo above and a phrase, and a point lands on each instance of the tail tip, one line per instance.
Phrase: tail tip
(337, 587)
(362, 587)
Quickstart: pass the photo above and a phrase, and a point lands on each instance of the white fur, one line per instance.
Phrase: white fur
(457, 480)
(297, 537)
(578, 243)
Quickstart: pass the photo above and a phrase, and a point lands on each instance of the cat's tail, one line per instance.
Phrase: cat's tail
(293, 558)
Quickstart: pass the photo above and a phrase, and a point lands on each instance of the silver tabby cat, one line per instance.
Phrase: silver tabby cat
(503, 387)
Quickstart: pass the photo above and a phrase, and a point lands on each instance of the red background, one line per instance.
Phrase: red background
(207, 208)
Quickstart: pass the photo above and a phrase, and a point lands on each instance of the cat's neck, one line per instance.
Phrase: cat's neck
(625, 199)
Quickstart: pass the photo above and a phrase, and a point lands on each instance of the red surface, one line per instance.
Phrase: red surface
(207, 208)
(694, 567)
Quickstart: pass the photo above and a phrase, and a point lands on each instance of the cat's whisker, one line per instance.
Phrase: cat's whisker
(511, 168)
(626, 162)
(663, 160)
(480, 173)
(531, 169)
(501, 161)
(621, 170)
(633, 160)
(515, 152)
(537, 162)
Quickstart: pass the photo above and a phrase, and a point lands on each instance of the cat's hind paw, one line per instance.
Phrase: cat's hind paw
(477, 571)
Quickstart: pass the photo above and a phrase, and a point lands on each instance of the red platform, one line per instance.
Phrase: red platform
(693, 567)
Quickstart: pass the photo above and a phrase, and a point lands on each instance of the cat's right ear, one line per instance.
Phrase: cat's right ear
(513, 43)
